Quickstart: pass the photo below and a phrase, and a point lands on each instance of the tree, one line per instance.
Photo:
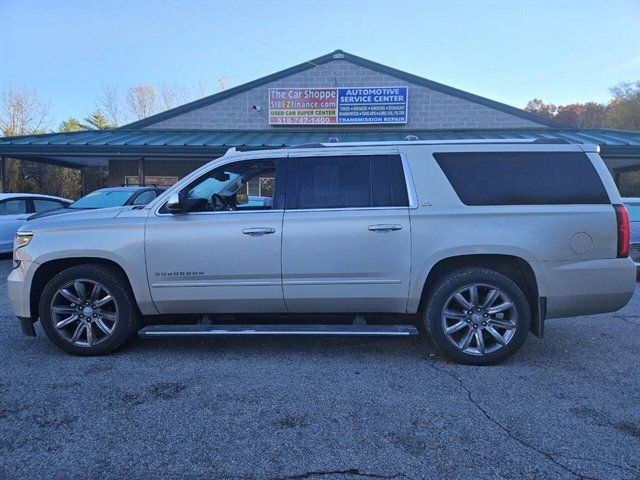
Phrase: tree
(22, 112)
(581, 115)
(109, 101)
(172, 95)
(71, 125)
(539, 107)
(97, 121)
(623, 111)
(142, 101)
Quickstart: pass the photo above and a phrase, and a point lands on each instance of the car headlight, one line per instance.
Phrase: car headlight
(22, 239)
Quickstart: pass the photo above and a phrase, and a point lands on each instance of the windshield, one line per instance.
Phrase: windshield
(103, 199)
(634, 212)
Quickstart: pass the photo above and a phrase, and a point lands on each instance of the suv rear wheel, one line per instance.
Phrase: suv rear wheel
(88, 310)
(477, 316)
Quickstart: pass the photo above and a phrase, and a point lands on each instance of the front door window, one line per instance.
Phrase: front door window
(238, 186)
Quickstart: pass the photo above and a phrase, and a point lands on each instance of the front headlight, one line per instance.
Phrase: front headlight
(22, 239)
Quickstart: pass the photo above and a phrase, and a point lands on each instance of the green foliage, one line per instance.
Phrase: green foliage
(71, 125)
(623, 111)
(97, 121)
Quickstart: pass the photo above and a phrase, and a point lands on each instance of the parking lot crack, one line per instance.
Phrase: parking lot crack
(627, 319)
(509, 433)
(352, 472)
(434, 365)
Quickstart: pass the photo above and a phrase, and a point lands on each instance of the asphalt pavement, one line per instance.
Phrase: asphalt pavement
(565, 407)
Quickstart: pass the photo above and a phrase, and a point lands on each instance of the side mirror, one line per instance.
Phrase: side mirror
(173, 204)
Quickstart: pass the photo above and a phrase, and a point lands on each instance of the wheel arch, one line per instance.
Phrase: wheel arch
(46, 271)
(514, 267)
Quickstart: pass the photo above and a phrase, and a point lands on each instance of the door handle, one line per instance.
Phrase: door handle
(384, 228)
(257, 232)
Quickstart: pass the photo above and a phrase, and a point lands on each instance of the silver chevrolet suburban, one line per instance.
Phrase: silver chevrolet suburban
(476, 242)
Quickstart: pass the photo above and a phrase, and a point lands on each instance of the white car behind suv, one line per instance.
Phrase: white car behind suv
(15, 208)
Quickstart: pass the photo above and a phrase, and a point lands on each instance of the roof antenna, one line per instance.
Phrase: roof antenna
(333, 139)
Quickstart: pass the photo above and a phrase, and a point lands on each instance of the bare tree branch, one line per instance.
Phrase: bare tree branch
(22, 112)
(110, 102)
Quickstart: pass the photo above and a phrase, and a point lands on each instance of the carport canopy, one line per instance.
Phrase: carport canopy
(620, 149)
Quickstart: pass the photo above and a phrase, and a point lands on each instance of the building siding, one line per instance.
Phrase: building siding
(427, 108)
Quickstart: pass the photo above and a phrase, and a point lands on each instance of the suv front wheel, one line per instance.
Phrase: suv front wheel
(88, 310)
(477, 316)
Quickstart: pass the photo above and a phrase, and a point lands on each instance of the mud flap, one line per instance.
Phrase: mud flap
(537, 322)
(26, 325)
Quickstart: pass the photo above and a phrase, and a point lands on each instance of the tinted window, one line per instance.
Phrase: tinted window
(13, 207)
(144, 197)
(45, 205)
(518, 178)
(349, 182)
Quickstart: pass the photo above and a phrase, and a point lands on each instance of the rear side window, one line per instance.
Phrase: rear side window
(45, 205)
(523, 178)
(347, 182)
(13, 207)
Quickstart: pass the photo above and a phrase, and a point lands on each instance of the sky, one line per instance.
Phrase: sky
(509, 51)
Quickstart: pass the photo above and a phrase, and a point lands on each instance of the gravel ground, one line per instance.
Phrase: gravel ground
(566, 406)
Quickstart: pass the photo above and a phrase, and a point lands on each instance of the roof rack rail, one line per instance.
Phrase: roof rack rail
(561, 141)
(308, 145)
(155, 185)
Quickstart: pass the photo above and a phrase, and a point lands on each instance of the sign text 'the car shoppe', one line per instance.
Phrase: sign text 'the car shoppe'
(338, 106)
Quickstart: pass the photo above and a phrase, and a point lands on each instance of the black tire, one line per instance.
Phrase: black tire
(441, 297)
(118, 288)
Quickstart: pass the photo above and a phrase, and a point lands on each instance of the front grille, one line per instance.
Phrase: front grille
(634, 252)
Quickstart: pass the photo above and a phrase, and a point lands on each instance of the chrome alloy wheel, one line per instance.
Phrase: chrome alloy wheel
(479, 319)
(84, 312)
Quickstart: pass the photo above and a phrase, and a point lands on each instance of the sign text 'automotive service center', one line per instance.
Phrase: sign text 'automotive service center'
(337, 106)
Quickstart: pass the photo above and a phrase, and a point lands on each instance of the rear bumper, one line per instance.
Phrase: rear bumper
(586, 287)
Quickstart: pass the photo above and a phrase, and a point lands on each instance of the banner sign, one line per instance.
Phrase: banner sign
(337, 106)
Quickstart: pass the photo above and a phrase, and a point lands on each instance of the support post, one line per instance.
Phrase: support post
(141, 172)
(616, 178)
(83, 182)
(4, 181)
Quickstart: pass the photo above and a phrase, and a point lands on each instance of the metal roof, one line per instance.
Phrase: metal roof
(354, 59)
(95, 147)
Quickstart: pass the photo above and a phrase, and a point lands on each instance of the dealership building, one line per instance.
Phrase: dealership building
(336, 97)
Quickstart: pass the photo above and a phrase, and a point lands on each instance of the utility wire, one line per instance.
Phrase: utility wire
(229, 29)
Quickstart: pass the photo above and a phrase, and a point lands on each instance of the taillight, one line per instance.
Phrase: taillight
(624, 230)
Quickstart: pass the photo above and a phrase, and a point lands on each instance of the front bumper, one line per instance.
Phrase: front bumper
(19, 288)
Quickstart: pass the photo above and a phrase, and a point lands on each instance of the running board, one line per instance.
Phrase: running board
(241, 330)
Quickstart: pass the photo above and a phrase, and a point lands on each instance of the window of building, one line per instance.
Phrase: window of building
(159, 180)
(13, 207)
(523, 178)
(350, 182)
